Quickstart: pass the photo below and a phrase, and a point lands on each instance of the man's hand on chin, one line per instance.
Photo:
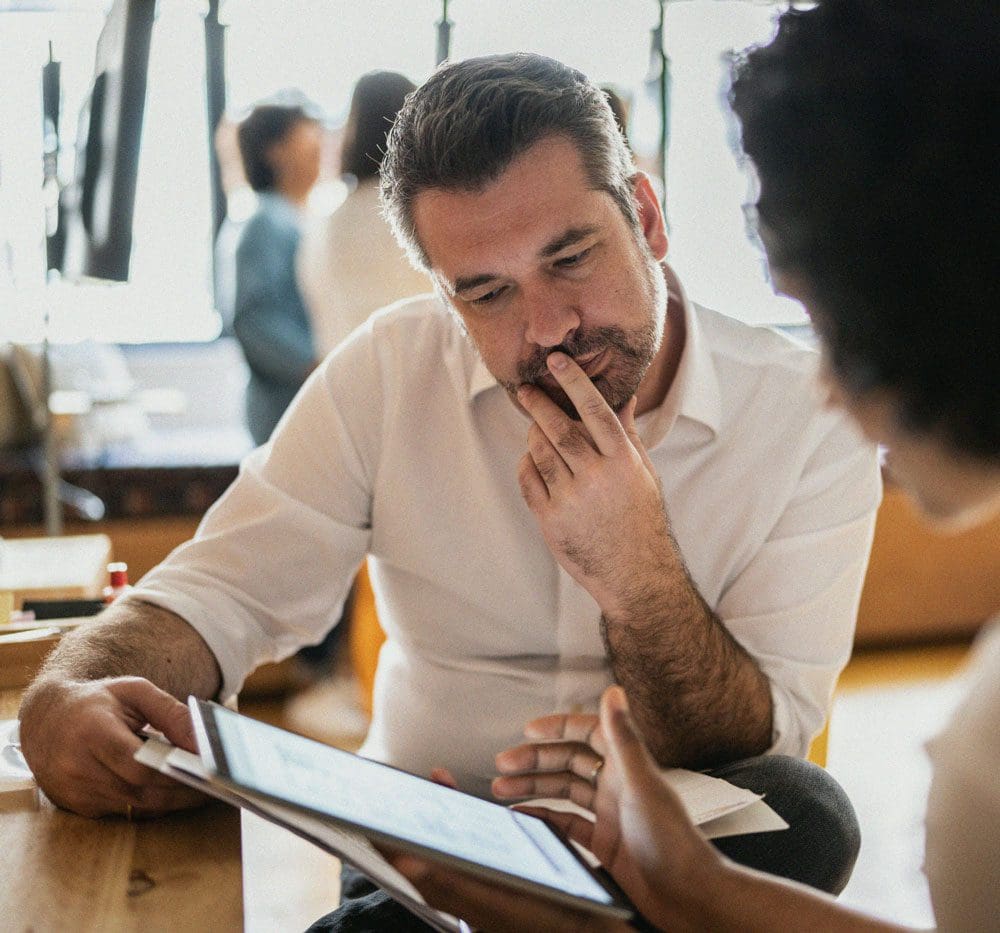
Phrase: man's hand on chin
(596, 494)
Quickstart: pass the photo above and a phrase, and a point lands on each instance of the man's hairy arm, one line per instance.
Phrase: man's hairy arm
(697, 696)
(80, 718)
(138, 639)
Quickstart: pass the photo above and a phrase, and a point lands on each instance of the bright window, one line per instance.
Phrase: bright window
(327, 45)
(321, 47)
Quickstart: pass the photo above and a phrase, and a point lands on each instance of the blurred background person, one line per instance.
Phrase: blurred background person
(280, 146)
(349, 264)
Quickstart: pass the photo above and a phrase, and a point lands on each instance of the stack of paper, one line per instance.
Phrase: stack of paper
(18, 790)
(716, 807)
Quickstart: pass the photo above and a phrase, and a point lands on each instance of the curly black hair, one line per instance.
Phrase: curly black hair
(874, 129)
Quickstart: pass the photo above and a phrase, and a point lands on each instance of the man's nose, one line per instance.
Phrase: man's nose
(550, 318)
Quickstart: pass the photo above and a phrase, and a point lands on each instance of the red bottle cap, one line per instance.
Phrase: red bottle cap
(118, 572)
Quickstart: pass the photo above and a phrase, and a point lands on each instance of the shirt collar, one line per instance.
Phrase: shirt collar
(694, 393)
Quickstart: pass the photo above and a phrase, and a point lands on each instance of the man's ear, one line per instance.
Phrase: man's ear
(654, 227)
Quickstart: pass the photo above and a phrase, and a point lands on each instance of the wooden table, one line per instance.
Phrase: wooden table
(186, 872)
(64, 872)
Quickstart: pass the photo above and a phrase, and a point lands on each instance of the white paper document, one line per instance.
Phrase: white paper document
(18, 790)
(719, 808)
(716, 807)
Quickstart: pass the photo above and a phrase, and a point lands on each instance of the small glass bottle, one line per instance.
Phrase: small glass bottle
(118, 575)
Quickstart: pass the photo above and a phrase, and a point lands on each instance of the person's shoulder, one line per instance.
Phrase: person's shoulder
(982, 680)
(263, 225)
(414, 325)
(771, 378)
(971, 741)
(276, 214)
(362, 201)
(417, 313)
(357, 230)
(410, 345)
(255, 225)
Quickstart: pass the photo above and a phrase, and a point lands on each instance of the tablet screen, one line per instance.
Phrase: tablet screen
(395, 804)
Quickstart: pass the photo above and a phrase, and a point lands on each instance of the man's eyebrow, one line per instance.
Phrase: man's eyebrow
(466, 282)
(571, 236)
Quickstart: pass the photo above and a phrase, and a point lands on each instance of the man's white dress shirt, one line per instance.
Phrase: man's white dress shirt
(402, 445)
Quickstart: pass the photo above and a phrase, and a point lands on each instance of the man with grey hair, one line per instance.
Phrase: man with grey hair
(565, 474)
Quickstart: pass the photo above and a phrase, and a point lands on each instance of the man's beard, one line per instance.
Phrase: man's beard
(629, 356)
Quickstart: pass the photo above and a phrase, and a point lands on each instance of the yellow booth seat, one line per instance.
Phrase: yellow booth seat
(364, 636)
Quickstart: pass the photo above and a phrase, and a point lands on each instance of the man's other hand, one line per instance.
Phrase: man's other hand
(565, 751)
(80, 737)
(640, 832)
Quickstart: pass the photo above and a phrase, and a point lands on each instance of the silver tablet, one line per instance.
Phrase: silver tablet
(396, 808)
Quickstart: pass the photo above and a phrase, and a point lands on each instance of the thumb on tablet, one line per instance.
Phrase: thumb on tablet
(144, 703)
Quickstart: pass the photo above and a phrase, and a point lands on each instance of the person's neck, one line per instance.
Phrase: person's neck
(663, 370)
(295, 195)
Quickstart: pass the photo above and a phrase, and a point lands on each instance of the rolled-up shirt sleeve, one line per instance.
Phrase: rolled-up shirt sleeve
(273, 560)
(794, 606)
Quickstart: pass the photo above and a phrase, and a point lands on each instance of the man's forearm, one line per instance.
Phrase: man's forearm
(698, 697)
(134, 638)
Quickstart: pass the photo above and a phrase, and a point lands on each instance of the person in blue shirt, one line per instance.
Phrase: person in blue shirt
(280, 147)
